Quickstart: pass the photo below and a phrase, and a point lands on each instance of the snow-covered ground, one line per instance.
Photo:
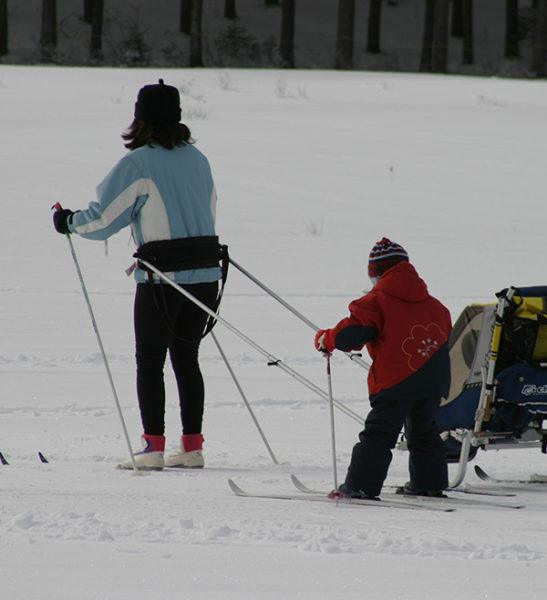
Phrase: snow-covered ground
(312, 168)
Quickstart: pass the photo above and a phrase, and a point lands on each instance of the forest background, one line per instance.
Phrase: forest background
(487, 37)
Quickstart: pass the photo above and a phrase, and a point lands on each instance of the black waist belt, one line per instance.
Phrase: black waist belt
(182, 254)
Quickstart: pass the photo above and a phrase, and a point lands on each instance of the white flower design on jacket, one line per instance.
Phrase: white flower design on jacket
(422, 343)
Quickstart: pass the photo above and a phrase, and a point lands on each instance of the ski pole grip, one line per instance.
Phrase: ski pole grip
(57, 206)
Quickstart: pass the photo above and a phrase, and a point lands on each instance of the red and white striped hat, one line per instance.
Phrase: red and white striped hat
(385, 255)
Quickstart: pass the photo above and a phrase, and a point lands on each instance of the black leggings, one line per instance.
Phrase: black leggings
(154, 335)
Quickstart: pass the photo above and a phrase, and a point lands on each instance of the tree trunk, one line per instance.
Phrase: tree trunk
(467, 24)
(3, 27)
(427, 40)
(230, 9)
(373, 34)
(96, 44)
(512, 29)
(540, 40)
(344, 37)
(439, 54)
(88, 11)
(457, 19)
(185, 16)
(196, 58)
(286, 45)
(48, 38)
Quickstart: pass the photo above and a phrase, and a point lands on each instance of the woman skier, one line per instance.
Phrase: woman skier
(164, 190)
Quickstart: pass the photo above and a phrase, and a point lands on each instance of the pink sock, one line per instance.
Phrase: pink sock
(191, 442)
(154, 443)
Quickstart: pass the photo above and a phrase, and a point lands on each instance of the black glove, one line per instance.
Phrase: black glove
(60, 219)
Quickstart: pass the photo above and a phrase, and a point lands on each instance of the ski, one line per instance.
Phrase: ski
(535, 478)
(465, 490)
(4, 461)
(421, 500)
(478, 491)
(312, 497)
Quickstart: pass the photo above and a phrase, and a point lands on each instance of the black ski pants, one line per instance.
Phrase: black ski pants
(165, 320)
(413, 403)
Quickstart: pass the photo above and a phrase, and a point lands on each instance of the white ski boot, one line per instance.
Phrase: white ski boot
(189, 455)
(151, 456)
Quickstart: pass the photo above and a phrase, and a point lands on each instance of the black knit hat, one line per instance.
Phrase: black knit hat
(158, 103)
(384, 255)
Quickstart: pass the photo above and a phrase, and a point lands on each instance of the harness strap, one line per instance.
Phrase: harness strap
(180, 255)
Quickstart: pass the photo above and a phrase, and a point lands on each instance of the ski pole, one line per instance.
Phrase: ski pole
(354, 357)
(333, 437)
(251, 412)
(272, 360)
(101, 347)
(274, 295)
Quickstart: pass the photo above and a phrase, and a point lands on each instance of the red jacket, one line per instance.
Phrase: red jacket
(402, 325)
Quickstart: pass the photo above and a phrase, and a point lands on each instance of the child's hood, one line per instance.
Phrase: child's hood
(403, 282)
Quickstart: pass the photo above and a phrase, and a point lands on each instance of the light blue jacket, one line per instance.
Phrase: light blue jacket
(162, 194)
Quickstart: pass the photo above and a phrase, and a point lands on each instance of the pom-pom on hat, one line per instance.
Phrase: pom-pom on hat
(158, 103)
(383, 256)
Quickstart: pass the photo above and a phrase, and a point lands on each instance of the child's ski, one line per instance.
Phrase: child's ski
(421, 500)
(391, 503)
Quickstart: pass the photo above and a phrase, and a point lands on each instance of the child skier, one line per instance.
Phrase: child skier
(405, 331)
(164, 190)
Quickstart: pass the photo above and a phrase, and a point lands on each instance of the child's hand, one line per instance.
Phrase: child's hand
(321, 343)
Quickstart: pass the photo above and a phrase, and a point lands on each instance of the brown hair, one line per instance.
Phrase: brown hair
(167, 135)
